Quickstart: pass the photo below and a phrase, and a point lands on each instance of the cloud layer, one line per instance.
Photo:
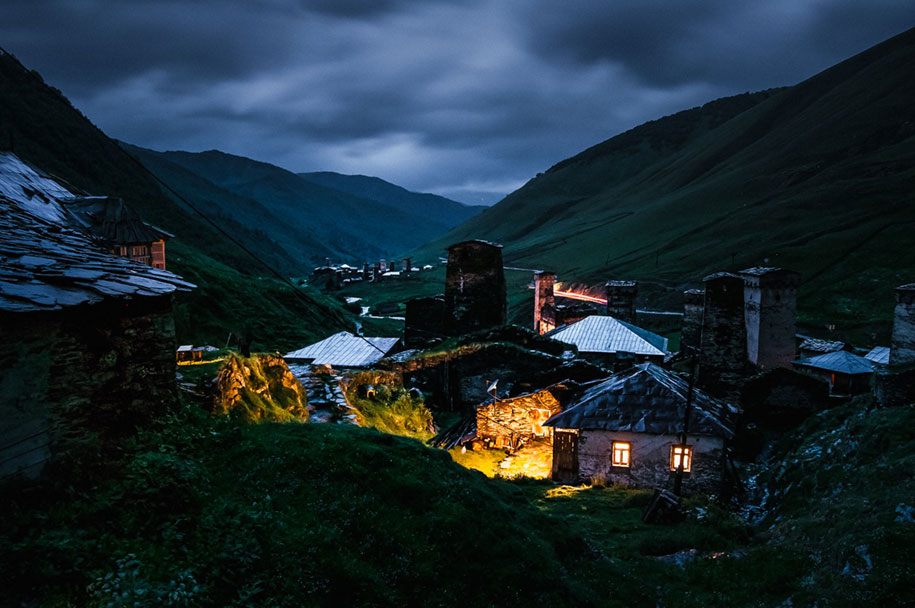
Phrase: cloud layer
(450, 96)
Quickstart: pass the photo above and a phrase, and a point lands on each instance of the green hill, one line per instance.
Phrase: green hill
(41, 126)
(348, 218)
(818, 177)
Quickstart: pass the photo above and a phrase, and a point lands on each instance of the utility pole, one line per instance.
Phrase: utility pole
(678, 480)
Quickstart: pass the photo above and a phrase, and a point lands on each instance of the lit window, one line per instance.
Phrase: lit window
(677, 453)
(620, 454)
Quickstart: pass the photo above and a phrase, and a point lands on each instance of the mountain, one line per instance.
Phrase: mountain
(818, 177)
(352, 219)
(234, 291)
(443, 213)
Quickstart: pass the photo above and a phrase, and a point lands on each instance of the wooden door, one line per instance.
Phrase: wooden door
(565, 455)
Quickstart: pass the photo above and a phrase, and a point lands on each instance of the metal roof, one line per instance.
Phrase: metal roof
(879, 355)
(344, 350)
(646, 399)
(840, 361)
(604, 334)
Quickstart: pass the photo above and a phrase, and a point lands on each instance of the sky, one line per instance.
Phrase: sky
(465, 98)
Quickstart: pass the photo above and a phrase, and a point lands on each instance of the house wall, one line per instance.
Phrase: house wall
(770, 310)
(521, 416)
(105, 369)
(650, 460)
(423, 321)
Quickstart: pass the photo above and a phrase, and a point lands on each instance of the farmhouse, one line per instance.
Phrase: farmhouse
(628, 430)
(89, 336)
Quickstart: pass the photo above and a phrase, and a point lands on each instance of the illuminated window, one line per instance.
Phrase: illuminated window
(678, 452)
(620, 454)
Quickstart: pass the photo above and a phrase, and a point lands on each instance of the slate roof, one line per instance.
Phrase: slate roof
(821, 346)
(45, 265)
(604, 334)
(344, 350)
(109, 218)
(840, 361)
(879, 355)
(646, 399)
(38, 194)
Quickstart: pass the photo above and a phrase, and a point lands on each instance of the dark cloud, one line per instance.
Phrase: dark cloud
(458, 96)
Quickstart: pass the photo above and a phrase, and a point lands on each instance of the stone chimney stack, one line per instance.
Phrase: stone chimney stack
(770, 311)
(902, 344)
(621, 300)
(543, 295)
(724, 330)
(693, 304)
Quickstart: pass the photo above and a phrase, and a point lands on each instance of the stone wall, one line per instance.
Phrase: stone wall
(770, 311)
(103, 369)
(693, 303)
(650, 461)
(507, 420)
(724, 332)
(280, 396)
(424, 319)
(902, 346)
(474, 287)
(621, 296)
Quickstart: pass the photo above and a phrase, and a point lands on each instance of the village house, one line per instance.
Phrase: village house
(89, 336)
(515, 421)
(629, 430)
(344, 350)
(846, 373)
(609, 341)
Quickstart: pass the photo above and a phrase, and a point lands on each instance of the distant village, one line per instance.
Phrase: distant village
(86, 310)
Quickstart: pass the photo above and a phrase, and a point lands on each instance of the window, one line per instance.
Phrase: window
(678, 452)
(620, 454)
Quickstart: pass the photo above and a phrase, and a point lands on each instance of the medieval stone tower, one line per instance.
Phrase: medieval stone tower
(770, 311)
(693, 304)
(902, 345)
(543, 296)
(724, 331)
(621, 300)
(474, 287)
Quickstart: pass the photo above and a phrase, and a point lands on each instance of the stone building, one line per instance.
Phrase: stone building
(474, 287)
(770, 310)
(516, 420)
(621, 297)
(543, 296)
(89, 338)
(423, 321)
(693, 304)
(607, 341)
(902, 345)
(629, 430)
(845, 372)
(724, 334)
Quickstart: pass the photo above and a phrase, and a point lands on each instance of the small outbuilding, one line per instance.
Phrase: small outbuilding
(604, 339)
(344, 350)
(846, 373)
(628, 430)
(879, 356)
(517, 420)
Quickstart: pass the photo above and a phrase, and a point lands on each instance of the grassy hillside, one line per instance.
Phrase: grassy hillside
(41, 126)
(313, 219)
(818, 177)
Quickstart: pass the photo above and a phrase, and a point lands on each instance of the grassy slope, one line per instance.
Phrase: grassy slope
(47, 131)
(817, 177)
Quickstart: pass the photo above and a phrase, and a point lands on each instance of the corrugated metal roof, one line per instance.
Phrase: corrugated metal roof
(604, 334)
(646, 399)
(879, 355)
(344, 350)
(840, 361)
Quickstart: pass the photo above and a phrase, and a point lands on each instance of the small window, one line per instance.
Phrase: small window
(678, 452)
(620, 454)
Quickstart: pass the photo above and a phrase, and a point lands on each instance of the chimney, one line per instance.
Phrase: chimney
(543, 295)
(621, 300)
(902, 344)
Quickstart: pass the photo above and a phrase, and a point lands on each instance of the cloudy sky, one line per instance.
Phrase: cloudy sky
(457, 97)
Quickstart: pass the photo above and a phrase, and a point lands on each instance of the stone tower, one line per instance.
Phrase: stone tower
(621, 300)
(543, 296)
(693, 304)
(724, 331)
(902, 345)
(770, 310)
(407, 266)
(474, 287)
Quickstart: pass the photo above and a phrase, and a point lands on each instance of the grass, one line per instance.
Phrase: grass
(390, 407)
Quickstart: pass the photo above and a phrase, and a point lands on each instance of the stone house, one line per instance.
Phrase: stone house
(514, 421)
(607, 340)
(846, 373)
(629, 430)
(89, 338)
